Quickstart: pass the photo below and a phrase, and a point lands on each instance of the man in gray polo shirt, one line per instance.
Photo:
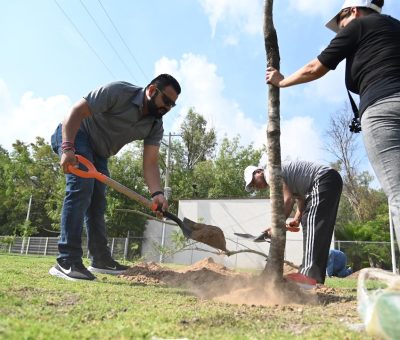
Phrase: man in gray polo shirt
(316, 189)
(97, 127)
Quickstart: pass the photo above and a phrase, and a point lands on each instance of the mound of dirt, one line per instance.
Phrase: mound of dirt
(208, 263)
(209, 280)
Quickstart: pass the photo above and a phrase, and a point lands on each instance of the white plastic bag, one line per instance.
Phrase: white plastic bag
(380, 308)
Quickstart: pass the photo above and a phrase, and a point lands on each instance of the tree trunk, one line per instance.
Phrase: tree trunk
(274, 267)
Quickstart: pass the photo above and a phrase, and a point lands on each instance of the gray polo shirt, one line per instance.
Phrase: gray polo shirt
(117, 119)
(300, 176)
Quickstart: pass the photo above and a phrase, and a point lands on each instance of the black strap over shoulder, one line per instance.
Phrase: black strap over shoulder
(355, 125)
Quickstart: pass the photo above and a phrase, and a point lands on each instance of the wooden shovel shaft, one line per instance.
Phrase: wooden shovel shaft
(143, 201)
(128, 192)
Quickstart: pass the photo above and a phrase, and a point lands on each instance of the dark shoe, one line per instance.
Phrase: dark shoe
(301, 280)
(107, 267)
(72, 272)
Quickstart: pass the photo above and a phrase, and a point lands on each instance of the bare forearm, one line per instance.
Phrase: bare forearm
(74, 120)
(70, 127)
(300, 208)
(151, 168)
(288, 201)
(297, 216)
(288, 206)
(152, 178)
(312, 71)
(309, 72)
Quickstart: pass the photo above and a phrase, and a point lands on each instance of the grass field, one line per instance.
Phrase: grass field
(35, 305)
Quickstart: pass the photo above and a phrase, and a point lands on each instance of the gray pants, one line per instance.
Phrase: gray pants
(381, 133)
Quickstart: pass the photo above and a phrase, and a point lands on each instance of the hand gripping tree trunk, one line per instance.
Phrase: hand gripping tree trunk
(274, 266)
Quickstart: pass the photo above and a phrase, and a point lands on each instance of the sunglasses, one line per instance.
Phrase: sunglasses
(344, 13)
(167, 101)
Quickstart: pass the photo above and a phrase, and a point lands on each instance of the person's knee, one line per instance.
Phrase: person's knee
(79, 189)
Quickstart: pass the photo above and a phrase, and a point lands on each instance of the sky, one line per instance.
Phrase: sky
(53, 52)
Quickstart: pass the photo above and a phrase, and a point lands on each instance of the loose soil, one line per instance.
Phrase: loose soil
(207, 234)
(209, 280)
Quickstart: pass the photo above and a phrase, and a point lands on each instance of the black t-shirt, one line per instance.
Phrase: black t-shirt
(371, 47)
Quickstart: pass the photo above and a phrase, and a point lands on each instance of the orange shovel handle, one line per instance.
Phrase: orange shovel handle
(91, 170)
(93, 173)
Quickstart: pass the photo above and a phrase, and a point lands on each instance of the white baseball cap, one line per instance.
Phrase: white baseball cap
(333, 25)
(248, 176)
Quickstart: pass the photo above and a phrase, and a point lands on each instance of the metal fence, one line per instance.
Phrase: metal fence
(121, 247)
(360, 254)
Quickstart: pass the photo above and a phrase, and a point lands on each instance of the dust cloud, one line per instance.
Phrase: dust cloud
(209, 280)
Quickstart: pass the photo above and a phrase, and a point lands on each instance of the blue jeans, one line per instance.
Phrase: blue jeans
(84, 201)
(381, 133)
(337, 263)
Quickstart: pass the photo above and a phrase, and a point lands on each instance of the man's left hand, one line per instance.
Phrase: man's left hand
(294, 223)
(293, 226)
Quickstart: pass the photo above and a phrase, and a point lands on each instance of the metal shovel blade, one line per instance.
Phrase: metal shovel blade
(187, 231)
(264, 237)
(260, 238)
(205, 233)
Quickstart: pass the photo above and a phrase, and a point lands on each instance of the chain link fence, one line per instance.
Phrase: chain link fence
(121, 247)
(360, 254)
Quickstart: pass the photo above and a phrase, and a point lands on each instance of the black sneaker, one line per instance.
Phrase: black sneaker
(72, 272)
(107, 267)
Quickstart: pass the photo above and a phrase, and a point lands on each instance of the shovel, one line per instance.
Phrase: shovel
(264, 237)
(260, 238)
(207, 234)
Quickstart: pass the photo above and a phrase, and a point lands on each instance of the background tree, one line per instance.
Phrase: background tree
(5, 202)
(363, 211)
(357, 192)
(343, 145)
(127, 169)
(18, 168)
(48, 188)
(229, 165)
(199, 143)
(361, 254)
(193, 145)
(209, 175)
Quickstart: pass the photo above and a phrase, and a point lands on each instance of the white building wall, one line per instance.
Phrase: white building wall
(250, 216)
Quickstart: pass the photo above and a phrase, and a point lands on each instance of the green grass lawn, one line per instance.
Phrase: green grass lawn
(35, 305)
